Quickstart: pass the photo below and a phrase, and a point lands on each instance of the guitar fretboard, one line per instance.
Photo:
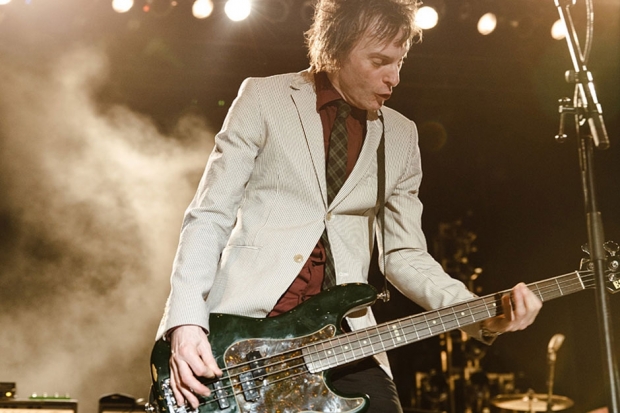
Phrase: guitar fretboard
(359, 344)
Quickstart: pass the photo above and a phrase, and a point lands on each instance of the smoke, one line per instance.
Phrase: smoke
(91, 201)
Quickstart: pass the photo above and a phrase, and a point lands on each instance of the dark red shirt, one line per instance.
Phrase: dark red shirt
(310, 278)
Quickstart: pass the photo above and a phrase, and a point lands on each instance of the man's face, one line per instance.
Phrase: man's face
(366, 77)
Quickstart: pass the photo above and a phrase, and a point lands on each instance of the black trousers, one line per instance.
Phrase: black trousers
(368, 378)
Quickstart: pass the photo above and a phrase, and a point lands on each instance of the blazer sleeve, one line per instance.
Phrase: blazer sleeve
(209, 219)
(409, 266)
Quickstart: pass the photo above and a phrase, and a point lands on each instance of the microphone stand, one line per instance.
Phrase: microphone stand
(552, 354)
(586, 105)
(550, 382)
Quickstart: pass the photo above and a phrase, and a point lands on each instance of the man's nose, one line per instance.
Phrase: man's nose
(392, 77)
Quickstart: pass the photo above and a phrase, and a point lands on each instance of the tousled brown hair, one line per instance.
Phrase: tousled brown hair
(339, 24)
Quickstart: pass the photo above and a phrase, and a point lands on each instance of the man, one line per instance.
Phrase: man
(263, 232)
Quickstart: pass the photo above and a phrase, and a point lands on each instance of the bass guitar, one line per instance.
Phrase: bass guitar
(281, 364)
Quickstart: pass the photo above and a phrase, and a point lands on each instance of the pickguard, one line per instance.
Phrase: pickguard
(283, 382)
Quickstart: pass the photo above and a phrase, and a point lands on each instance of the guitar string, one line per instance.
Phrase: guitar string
(423, 325)
(553, 286)
(303, 367)
(339, 338)
(474, 310)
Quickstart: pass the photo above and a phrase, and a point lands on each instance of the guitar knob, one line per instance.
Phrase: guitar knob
(611, 247)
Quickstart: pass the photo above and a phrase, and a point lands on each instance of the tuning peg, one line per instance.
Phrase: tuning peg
(611, 247)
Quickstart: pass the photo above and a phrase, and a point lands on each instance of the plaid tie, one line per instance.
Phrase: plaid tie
(335, 173)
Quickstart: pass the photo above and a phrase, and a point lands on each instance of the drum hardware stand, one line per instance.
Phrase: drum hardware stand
(586, 110)
(453, 248)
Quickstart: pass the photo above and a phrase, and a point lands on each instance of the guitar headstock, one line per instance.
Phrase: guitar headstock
(612, 264)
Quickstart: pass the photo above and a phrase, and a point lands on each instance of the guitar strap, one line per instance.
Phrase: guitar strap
(385, 294)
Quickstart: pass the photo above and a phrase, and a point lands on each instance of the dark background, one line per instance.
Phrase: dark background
(106, 121)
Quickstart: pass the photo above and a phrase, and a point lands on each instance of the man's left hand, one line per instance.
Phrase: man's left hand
(520, 309)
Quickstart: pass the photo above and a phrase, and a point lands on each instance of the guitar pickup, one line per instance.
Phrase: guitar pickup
(250, 391)
(256, 363)
(221, 395)
(249, 378)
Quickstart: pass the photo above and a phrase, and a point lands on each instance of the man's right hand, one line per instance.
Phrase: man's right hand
(191, 357)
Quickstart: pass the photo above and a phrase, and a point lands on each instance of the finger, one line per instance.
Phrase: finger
(525, 306)
(190, 397)
(507, 306)
(533, 304)
(186, 391)
(184, 384)
(182, 390)
(519, 309)
(176, 391)
(190, 382)
(206, 355)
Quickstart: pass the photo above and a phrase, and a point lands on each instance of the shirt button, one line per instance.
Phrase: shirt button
(298, 258)
(328, 216)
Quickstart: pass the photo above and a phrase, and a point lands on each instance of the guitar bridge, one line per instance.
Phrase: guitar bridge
(171, 402)
(218, 391)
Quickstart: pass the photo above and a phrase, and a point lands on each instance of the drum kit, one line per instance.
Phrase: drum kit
(531, 402)
(472, 390)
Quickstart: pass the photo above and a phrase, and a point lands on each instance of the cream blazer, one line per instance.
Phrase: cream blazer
(261, 207)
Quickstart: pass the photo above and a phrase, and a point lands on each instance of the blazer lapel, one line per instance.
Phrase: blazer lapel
(304, 97)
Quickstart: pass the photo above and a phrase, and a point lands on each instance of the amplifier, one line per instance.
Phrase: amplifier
(113, 403)
(7, 391)
(42, 406)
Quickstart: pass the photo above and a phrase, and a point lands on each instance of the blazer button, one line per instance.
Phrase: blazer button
(298, 258)
(328, 216)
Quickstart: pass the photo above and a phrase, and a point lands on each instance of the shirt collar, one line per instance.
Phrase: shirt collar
(326, 93)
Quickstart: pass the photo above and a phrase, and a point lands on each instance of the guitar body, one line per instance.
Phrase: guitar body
(263, 360)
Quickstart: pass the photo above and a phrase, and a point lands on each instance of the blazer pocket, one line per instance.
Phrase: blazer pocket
(238, 258)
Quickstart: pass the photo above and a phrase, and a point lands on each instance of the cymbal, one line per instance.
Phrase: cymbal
(531, 402)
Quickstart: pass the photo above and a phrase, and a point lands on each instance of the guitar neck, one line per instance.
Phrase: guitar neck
(359, 344)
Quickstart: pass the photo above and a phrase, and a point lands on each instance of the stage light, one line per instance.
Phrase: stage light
(122, 6)
(558, 30)
(202, 8)
(426, 18)
(487, 24)
(238, 10)
(3, 2)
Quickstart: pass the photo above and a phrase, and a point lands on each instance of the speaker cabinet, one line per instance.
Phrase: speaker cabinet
(114, 403)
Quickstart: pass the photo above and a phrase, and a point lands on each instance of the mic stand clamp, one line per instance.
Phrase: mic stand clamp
(565, 108)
